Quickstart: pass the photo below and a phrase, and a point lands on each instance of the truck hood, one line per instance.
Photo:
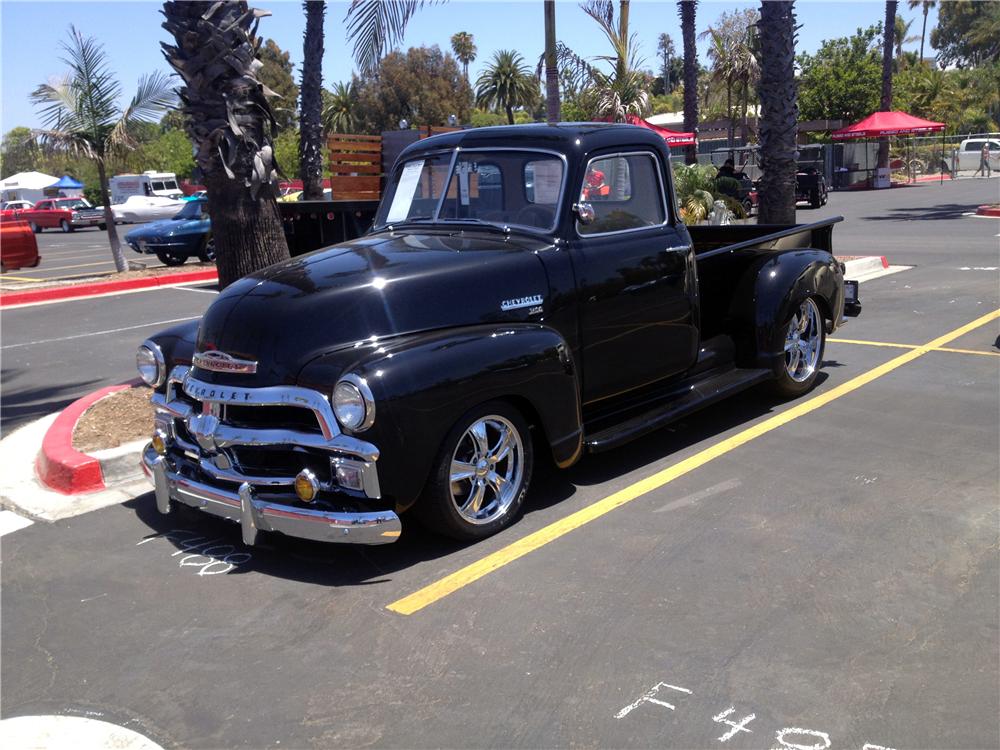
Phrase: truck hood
(348, 296)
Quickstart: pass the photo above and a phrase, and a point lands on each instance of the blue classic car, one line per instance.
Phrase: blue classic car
(175, 240)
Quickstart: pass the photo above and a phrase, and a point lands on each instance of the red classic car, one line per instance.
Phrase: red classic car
(18, 247)
(61, 213)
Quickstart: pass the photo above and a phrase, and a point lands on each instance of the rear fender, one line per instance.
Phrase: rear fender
(422, 385)
(770, 290)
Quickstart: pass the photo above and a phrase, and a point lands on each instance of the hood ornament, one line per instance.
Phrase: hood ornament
(221, 362)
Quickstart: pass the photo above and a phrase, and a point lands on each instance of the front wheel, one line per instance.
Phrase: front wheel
(804, 340)
(35, 228)
(171, 259)
(103, 227)
(65, 226)
(481, 474)
(207, 253)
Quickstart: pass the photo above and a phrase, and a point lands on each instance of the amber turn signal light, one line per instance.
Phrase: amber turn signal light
(306, 486)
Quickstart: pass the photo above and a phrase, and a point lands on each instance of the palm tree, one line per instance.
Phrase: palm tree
(665, 47)
(552, 114)
(687, 9)
(311, 96)
(779, 112)
(623, 91)
(80, 114)
(375, 26)
(338, 115)
(462, 44)
(900, 36)
(505, 83)
(229, 119)
(888, 34)
(926, 5)
(723, 59)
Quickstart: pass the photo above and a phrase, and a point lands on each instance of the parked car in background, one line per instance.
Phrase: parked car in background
(18, 246)
(140, 208)
(66, 214)
(187, 234)
(970, 152)
(8, 207)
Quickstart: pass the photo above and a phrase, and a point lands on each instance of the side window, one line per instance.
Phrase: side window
(625, 192)
(44, 205)
(974, 146)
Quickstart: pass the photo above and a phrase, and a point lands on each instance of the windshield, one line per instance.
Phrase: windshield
(193, 210)
(74, 203)
(498, 187)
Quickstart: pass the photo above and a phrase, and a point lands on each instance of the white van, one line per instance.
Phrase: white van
(163, 184)
(970, 152)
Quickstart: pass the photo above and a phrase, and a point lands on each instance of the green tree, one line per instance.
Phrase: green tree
(968, 33)
(665, 49)
(18, 152)
(311, 122)
(229, 120)
(732, 52)
(286, 153)
(423, 86)
(687, 10)
(841, 81)
(778, 113)
(505, 83)
(168, 152)
(276, 75)
(900, 36)
(338, 108)
(80, 114)
(464, 48)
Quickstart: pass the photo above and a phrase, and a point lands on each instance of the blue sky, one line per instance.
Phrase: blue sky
(30, 33)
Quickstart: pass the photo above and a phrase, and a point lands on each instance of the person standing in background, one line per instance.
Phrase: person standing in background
(984, 162)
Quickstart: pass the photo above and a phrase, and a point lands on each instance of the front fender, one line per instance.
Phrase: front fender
(423, 384)
(772, 287)
(177, 344)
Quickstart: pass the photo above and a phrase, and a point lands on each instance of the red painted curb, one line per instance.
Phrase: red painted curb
(885, 262)
(988, 211)
(59, 465)
(103, 287)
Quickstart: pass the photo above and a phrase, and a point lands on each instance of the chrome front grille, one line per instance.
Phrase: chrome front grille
(261, 436)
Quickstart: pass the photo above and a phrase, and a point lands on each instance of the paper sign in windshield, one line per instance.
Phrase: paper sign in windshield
(405, 190)
(548, 179)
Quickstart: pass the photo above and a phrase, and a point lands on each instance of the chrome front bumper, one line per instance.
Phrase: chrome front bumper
(254, 514)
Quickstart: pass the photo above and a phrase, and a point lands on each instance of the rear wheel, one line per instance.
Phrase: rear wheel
(804, 338)
(207, 253)
(103, 227)
(814, 198)
(481, 474)
(169, 258)
(34, 227)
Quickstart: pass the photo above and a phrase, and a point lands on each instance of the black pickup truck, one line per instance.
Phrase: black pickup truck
(524, 290)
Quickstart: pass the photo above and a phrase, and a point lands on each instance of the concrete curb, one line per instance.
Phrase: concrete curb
(98, 288)
(988, 211)
(865, 265)
(62, 468)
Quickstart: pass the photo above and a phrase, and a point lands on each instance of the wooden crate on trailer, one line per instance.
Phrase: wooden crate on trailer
(355, 166)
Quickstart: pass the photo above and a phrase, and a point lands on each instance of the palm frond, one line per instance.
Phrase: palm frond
(91, 76)
(71, 142)
(59, 103)
(154, 94)
(377, 25)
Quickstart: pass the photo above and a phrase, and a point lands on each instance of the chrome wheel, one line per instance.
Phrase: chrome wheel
(803, 341)
(487, 467)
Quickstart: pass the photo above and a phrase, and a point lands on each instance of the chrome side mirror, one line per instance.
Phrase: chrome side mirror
(585, 212)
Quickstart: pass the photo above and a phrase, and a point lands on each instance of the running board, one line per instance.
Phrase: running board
(700, 395)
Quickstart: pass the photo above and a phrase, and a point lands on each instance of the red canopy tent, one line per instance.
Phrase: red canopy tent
(672, 137)
(879, 124)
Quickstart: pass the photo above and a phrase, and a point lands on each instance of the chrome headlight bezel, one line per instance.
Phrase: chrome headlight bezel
(353, 403)
(150, 363)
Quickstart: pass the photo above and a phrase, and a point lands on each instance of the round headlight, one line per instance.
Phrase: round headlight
(353, 404)
(149, 362)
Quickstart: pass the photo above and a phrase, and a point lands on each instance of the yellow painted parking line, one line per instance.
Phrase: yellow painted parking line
(912, 346)
(473, 572)
(9, 277)
(79, 265)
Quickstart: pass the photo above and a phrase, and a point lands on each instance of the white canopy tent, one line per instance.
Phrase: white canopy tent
(26, 186)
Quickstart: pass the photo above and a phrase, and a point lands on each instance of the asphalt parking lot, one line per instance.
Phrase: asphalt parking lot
(83, 252)
(817, 573)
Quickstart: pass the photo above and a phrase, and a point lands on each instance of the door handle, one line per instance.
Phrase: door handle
(677, 249)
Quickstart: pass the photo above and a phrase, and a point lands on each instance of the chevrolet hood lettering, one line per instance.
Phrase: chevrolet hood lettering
(221, 362)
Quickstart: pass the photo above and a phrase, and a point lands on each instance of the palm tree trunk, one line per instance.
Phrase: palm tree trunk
(887, 48)
(109, 219)
(923, 34)
(229, 120)
(729, 113)
(510, 114)
(552, 115)
(311, 123)
(779, 112)
(687, 10)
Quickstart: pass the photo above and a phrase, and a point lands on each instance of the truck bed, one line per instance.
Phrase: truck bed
(723, 254)
(310, 225)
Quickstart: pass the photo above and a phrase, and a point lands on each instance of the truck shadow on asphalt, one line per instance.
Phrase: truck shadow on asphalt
(338, 565)
(21, 406)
